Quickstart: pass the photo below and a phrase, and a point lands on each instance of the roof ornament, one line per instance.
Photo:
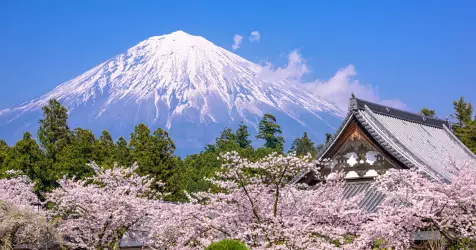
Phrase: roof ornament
(448, 122)
(424, 118)
(353, 102)
(388, 110)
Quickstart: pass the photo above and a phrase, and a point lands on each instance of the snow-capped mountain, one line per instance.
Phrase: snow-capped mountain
(183, 83)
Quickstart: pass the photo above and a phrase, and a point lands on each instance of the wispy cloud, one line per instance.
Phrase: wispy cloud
(294, 70)
(255, 36)
(237, 39)
(337, 89)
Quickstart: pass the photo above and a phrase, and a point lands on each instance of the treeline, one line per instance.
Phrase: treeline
(61, 151)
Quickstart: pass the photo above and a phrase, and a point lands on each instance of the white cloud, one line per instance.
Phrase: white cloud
(255, 36)
(294, 70)
(237, 39)
(338, 89)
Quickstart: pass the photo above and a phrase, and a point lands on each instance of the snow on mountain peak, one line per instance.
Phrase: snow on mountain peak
(176, 78)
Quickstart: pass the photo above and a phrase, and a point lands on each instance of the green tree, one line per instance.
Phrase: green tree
(328, 138)
(428, 112)
(122, 155)
(271, 132)
(3, 151)
(463, 112)
(302, 146)
(242, 136)
(27, 157)
(193, 171)
(53, 132)
(74, 157)
(465, 128)
(154, 154)
(106, 149)
(226, 141)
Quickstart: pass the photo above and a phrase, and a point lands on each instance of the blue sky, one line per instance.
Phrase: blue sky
(421, 53)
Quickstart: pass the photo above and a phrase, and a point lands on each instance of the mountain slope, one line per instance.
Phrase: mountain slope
(180, 82)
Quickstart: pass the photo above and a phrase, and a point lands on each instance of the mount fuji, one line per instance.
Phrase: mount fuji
(185, 84)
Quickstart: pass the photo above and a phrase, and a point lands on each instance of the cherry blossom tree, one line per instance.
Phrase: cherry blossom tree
(415, 202)
(20, 223)
(96, 213)
(257, 204)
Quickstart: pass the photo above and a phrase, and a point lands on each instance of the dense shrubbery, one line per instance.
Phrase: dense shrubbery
(227, 245)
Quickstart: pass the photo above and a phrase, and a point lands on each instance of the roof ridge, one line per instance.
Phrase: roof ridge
(359, 104)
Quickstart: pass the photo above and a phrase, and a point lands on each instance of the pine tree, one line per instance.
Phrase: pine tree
(163, 147)
(53, 132)
(463, 112)
(302, 146)
(428, 112)
(140, 145)
(74, 157)
(122, 154)
(225, 142)
(153, 153)
(106, 149)
(465, 128)
(27, 157)
(328, 138)
(3, 152)
(242, 136)
(271, 132)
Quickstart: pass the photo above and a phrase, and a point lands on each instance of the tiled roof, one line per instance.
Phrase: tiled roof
(413, 139)
(372, 198)
(416, 144)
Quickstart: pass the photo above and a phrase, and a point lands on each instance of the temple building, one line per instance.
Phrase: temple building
(374, 138)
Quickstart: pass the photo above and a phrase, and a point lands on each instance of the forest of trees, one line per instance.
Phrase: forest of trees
(61, 151)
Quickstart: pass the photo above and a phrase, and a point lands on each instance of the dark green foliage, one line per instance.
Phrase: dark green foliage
(154, 153)
(242, 136)
(122, 153)
(465, 127)
(467, 135)
(328, 138)
(271, 132)
(463, 112)
(193, 170)
(227, 141)
(3, 151)
(27, 157)
(428, 112)
(227, 245)
(302, 146)
(53, 132)
(74, 157)
(106, 149)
